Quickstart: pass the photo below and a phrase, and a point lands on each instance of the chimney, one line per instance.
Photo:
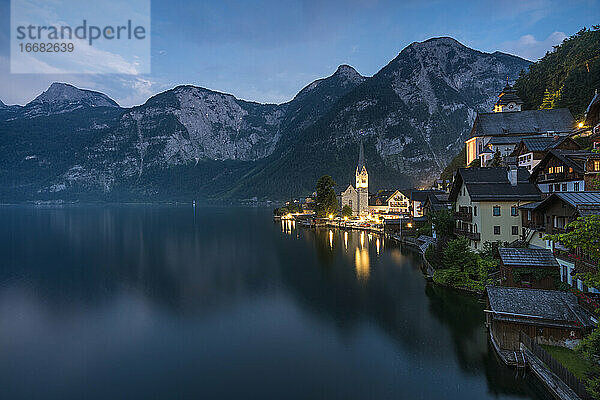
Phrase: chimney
(512, 174)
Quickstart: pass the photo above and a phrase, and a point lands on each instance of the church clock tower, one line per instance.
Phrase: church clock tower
(362, 183)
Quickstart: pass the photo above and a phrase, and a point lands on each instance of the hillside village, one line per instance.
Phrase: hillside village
(528, 181)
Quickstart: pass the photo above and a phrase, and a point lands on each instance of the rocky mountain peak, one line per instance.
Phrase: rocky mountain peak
(65, 93)
(349, 73)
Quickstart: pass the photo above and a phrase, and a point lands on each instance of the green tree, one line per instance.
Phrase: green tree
(583, 233)
(476, 163)
(496, 160)
(346, 211)
(443, 222)
(459, 257)
(326, 201)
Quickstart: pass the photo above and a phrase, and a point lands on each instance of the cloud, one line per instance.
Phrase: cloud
(527, 46)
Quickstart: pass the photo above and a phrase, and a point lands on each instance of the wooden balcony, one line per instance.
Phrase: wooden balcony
(463, 216)
(470, 235)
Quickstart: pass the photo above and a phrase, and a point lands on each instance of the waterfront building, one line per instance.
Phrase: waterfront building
(567, 171)
(486, 203)
(357, 197)
(504, 128)
(529, 268)
(547, 316)
(392, 202)
(418, 199)
(551, 216)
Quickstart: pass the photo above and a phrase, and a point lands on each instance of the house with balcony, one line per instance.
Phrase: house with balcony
(531, 150)
(567, 171)
(504, 128)
(551, 216)
(486, 203)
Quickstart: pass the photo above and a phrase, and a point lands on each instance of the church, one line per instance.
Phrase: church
(358, 197)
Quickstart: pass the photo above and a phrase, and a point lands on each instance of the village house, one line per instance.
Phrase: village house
(529, 268)
(552, 216)
(504, 128)
(486, 203)
(389, 202)
(592, 119)
(567, 171)
(436, 201)
(357, 197)
(547, 316)
(417, 201)
(530, 150)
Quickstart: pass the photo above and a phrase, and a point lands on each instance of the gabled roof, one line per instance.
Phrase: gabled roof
(383, 196)
(591, 114)
(572, 158)
(492, 184)
(559, 307)
(585, 203)
(421, 195)
(557, 120)
(525, 257)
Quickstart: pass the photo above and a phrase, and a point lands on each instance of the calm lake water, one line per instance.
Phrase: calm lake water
(222, 303)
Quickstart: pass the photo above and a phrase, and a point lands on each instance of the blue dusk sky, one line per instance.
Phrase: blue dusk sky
(266, 51)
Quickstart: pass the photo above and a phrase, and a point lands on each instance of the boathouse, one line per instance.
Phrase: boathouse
(548, 316)
(529, 268)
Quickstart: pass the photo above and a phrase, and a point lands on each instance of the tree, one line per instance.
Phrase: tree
(476, 163)
(442, 221)
(326, 201)
(497, 160)
(346, 211)
(583, 233)
(459, 257)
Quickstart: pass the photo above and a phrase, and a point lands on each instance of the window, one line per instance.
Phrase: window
(350, 203)
(514, 211)
(475, 210)
(596, 165)
(515, 230)
(576, 186)
(558, 169)
(564, 187)
(557, 187)
(496, 229)
(551, 170)
(528, 215)
(496, 211)
(550, 188)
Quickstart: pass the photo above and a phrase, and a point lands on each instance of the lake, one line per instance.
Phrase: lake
(105, 302)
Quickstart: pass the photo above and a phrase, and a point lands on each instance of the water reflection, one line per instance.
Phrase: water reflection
(174, 302)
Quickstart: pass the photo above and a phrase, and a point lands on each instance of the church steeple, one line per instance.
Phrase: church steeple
(508, 100)
(362, 177)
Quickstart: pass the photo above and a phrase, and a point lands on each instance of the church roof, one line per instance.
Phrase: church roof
(558, 120)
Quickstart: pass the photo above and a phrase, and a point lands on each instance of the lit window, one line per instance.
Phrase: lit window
(558, 169)
(596, 165)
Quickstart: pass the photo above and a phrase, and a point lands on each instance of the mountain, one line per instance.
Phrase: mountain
(191, 142)
(413, 116)
(62, 98)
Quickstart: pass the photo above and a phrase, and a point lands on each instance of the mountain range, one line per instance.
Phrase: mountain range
(189, 142)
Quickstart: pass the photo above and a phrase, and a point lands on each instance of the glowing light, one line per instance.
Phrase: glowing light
(409, 225)
(346, 240)
(377, 245)
(580, 124)
(330, 216)
(330, 238)
(345, 218)
(362, 239)
(361, 261)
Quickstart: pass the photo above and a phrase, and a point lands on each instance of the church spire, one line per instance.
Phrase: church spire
(361, 157)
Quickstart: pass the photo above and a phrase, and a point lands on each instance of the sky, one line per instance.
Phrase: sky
(267, 51)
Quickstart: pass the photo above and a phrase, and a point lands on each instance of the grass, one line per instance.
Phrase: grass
(572, 360)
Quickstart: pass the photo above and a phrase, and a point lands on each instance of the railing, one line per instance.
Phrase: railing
(563, 373)
(467, 234)
(463, 216)
(582, 263)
